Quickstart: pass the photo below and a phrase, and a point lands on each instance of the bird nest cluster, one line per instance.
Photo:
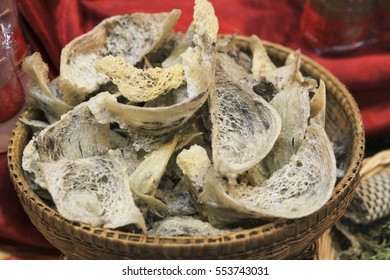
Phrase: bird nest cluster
(152, 131)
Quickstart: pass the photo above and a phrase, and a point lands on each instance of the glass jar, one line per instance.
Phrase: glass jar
(382, 22)
(12, 52)
(336, 26)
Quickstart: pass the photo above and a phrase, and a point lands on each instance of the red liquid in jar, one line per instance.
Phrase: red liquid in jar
(11, 88)
(11, 97)
(336, 26)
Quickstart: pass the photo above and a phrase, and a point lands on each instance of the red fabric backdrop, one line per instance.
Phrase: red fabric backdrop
(51, 24)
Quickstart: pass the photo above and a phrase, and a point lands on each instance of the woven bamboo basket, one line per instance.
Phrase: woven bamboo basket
(282, 239)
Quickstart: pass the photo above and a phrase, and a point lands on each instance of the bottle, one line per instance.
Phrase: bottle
(337, 26)
(382, 23)
(12, 52)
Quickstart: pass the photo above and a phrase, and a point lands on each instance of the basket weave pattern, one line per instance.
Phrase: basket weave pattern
(372, 199)
(282, 239)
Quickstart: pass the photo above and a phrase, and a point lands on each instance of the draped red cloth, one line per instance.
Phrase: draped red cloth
(50, 24)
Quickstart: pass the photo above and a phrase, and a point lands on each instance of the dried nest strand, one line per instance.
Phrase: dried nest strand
(372, 197)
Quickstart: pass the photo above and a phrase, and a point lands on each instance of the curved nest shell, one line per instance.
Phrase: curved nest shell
(133, 36)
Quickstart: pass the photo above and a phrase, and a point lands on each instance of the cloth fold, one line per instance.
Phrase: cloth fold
(17, 234)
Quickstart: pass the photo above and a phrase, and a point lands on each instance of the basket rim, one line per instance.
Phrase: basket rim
(262, 232)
